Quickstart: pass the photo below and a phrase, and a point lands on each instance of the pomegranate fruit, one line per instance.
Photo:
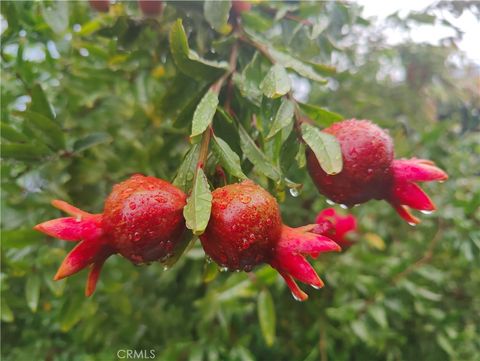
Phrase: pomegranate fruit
(142, 221)
(246, 229)
(240, 6)
(100, 5)
(371, 172)
(150, 7)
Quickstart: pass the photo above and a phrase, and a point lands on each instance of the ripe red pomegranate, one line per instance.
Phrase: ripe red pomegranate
(371, 172)
(100, 5)
(245, 230)
(335, 226)
(240, 6)
(150, 7)
(142, 221)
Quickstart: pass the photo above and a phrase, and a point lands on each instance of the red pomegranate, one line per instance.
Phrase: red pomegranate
(371, 172)
(246, 229)
(142, 221)
(100, 5)
(240, 6)
(150, 7)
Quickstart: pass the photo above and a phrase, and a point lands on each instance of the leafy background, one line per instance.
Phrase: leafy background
(90, 98)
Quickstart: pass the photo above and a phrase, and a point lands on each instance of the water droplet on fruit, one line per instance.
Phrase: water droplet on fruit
(295, 297)
(329, 201)
(294, 192)
(234, 228)
(245, 199)
(269, 222)
(412, 224)
(369, 170)
(208, 259)
(136, 236)
(427, 212)
(223, 269)
(166, 267)
(247, 268)
(343, 206)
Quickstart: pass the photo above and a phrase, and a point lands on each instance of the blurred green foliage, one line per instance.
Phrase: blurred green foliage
(90, 98)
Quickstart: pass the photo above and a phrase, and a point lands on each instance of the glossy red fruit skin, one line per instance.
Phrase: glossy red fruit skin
(100, 5)
(239, 6)
(150, 7)
(143, 218)
(244, 227)
(368, 153)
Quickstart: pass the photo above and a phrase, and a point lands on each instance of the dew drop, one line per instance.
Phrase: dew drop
(296, 298)
(427, 212)
(137, 236)
(343, 206)
(316, 287)
(223, 269)
(329, 201)
(166, 267)
(412, 224)
(294, 192)
(208, 259)
(369, 170)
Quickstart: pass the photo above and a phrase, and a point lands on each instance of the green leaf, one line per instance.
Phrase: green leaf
(26, 152)
(266, 316)
(217, 13)
(48, 130)
(326, 148)
(20, 238)
(203, 115)
(379, 315)
(210, 272)
(55, 15)
(186, 172)
(32, 291)
(283, 117)
(257, 157)
(288, 151)
(188, 61)
(276, 83)
(71, 313)
(6, 312)
(321, 116)
(91, 140)
(199, 204)
(296, 65)
(249, 81)
(40, 103)
(10, 133)
(228, 158)
(256, 22)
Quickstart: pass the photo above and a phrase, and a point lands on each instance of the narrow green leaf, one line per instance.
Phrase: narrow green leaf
(296, 65)
(71, 313)
(48, 130)
(217, 13)
(288, 151)
(228, 158)
(6, 314)
(199, 204)
(322, 117)
(10, 133)
(249, 81)
(210, 272)
(91, 140)
(326, 148)
(283, 117)
(32, 291)
(24, 151)
(55, 15)
(203, 115)
(40, 103)
(266, 316)
(379, 315)
(276, 83)
(256, 22)
(257, 157)
(188, 61)
(186, 172)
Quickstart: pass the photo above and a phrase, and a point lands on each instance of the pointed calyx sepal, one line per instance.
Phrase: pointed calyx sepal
(289, 257)
(92, 249)
(406, 194)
